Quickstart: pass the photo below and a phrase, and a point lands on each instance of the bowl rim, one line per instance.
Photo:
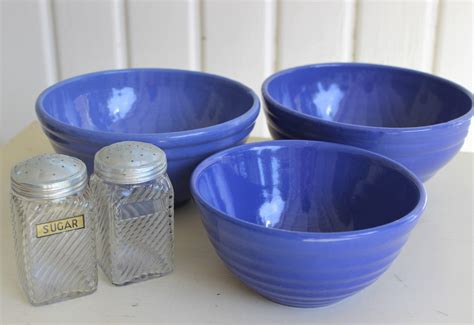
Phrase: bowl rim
(358, 127)
(192, 135)
(410, 217)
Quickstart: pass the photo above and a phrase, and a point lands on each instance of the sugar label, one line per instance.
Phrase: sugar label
(59, 226)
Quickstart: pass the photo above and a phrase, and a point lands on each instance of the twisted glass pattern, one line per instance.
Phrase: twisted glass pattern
(135, 235)
(59, 266)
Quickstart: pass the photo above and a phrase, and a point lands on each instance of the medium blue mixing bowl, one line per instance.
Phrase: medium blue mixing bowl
(190, 115)
(306, 223)
(415, 118)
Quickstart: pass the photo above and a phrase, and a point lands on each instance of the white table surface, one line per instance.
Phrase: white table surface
(431, 280)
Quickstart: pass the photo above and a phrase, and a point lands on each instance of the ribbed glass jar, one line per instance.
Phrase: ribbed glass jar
(53, 228)
(133, 203)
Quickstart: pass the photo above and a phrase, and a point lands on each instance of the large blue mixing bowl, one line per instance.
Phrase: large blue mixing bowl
(415, 118)
(188, 114)
(306, 223)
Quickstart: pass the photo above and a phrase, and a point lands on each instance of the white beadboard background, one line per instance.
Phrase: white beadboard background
(44, 41)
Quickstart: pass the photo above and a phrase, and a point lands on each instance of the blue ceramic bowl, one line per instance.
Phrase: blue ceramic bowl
(415, 118)
(190, 115)
(306, 223)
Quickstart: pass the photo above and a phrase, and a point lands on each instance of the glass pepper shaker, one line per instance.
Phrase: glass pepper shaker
(134, 207)
(53, 228)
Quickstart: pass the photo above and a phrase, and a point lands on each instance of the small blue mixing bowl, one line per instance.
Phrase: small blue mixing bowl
(415, 118)
(306, 223)
(190, 115)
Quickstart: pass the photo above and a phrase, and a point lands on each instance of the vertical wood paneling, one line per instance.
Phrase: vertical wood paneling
(315, 31)
(454, 53)
(396, 32)
(89, 35)
(234, 42)
(164, 33)
(270, 38)
(27, 62)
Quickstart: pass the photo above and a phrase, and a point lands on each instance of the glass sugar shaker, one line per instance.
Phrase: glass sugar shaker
(134, 206)
(53, 228)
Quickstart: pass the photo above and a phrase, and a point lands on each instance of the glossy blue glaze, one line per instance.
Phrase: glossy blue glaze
(306, 223)
(415, 118)
(188, 114)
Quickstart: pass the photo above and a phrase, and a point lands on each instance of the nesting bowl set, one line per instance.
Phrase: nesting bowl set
(305, 222)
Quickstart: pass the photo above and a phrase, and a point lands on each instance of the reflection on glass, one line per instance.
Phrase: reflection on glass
(327, 101)
(121, 102)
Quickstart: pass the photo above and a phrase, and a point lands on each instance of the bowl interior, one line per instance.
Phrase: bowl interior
(313, 188)
(369, 95)
(146, 101)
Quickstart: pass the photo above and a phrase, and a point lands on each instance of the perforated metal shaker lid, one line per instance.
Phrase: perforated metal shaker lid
(129, 162)
(49, 176)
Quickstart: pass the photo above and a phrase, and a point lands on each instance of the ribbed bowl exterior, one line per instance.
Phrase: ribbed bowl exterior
(422, 151)
(303, 269)
(182, 158)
